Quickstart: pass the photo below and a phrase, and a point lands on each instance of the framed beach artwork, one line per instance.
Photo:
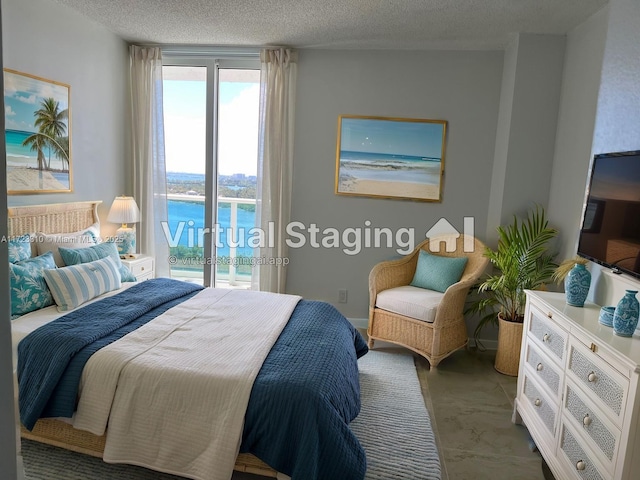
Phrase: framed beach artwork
(390, 157)
(37, 133)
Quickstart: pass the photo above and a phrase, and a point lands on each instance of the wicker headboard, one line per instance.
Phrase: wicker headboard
(54, 218)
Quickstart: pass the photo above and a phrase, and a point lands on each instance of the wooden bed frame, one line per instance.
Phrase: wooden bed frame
(72, 217)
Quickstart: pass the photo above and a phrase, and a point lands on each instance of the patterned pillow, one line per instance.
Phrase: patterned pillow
(438, 273)
(20, 248)
(51, 242)
(75, 256)
(29, 290)
(72, 286)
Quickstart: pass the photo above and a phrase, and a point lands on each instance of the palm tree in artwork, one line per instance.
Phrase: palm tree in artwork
(52, 128)
(37, 143)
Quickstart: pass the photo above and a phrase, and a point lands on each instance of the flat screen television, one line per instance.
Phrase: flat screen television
(610, 231)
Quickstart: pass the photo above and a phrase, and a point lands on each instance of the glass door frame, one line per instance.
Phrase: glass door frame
(213, 64)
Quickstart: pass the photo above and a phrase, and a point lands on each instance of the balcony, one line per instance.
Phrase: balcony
(227, 276)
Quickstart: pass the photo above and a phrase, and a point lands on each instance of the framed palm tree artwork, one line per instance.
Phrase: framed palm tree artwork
(37, 134)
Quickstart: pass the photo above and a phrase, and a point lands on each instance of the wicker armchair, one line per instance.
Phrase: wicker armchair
(447, 332)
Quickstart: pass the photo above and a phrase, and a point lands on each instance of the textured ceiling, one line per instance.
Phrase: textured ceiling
(371, 24)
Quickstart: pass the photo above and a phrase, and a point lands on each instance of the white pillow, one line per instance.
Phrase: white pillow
(50, 242)
(72, 286)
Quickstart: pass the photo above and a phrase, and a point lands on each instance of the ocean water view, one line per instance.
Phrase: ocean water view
(192, 216)
(19, 155)
(389, 167)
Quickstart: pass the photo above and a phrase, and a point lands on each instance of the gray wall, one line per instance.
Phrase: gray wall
(8, 465)
(460, 87)
(529, 126)
(618, 116)
(94, 62)
(576, 123)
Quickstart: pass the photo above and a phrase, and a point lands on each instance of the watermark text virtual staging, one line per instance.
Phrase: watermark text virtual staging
(350, 240)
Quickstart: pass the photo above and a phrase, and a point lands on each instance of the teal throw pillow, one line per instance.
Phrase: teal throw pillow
(438, 273)
(29, 289)
(76, 256)
(19, 248)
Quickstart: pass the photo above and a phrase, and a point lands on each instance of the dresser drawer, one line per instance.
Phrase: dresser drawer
(547, 334)
(545, 410)
(608, 386)
(603, 436)
(542, 368)
(577, 459)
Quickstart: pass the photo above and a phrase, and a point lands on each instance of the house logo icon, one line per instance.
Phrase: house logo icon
(443, 228)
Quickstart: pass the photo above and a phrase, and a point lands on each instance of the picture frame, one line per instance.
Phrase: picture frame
(37, 134)
(388, 157)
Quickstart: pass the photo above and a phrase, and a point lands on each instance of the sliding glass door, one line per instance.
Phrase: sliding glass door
(211, 143)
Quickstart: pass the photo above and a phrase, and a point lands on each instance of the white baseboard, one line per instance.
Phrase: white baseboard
(487, 344)
(363, 323)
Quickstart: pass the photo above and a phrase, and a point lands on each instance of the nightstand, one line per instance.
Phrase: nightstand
(140, 265)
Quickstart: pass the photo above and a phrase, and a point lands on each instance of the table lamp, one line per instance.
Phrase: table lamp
(124, 210)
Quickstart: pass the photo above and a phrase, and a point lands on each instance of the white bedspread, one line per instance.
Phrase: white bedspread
(175, 391)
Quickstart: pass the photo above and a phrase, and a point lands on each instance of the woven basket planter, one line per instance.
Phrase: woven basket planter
(508, 354)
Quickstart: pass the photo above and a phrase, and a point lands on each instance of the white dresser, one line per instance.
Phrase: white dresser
(578, 391)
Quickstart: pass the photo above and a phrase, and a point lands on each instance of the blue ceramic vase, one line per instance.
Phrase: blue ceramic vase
(576, 285)
(625, 318)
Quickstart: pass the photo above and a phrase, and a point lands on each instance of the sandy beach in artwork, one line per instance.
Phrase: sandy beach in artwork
(20, 178)
(419, 191)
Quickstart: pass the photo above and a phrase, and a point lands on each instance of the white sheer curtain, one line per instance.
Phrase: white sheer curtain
(149, 172)
(275, 161)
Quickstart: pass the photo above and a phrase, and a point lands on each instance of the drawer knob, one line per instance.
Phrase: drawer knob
(592, 377)
(537, 402)
(586, 421)
(550, 315)
(142, 269)
(539, 367)
(580, 465)
(546, 337)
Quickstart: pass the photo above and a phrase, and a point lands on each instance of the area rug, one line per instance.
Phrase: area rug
(393, 427)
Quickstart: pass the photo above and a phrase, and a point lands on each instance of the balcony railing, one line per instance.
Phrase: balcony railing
(233, 279)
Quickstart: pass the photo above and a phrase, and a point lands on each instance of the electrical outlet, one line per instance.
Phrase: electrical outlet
(342, 295)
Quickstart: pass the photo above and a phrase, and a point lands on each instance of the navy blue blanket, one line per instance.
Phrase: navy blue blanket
(302, 400)
(44, 354)
(304, 397)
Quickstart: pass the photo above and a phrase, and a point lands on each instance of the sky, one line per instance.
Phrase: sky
(391, 137)
(185, 128)
(22, 97)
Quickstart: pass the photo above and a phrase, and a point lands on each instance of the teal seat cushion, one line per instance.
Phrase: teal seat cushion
(76, 256)
(19, 248)
(438, 273)
(29, 289)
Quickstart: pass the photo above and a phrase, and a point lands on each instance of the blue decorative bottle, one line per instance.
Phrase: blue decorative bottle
(576, 285)
(625, 318)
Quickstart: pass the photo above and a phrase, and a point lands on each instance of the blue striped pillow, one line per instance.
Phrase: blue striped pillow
(74, 285)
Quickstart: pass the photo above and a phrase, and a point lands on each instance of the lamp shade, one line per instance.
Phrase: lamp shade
(124, 210)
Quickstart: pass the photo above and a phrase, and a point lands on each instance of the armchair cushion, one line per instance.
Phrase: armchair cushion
(414, 302)
(438, 273)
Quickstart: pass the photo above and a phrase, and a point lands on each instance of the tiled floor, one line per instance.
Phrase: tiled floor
(471, 407)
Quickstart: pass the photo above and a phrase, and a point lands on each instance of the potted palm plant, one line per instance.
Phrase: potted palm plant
(521, 262)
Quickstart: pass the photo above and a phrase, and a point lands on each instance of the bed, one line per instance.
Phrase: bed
(311, 338)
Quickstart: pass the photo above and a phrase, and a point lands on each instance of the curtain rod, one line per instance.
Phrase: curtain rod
(210, 51)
